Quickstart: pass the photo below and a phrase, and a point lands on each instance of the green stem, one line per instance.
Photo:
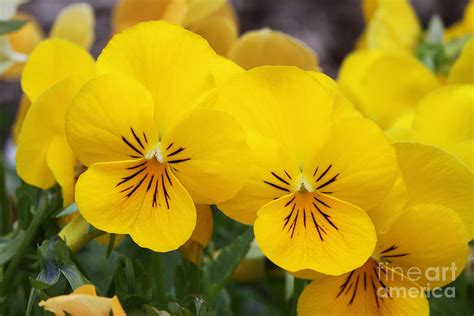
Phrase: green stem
(159, 282)
(4, 205)
(298, 285)
(29, 236)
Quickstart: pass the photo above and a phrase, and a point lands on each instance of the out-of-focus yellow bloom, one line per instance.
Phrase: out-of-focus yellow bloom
(202, 233)
(463, 27)
(462, 70)
(215, 20)
(384, 85)
(151, 149)
(311, 174)
(268, 47)
(407, 246)
(54, 73)
(75, 22)
(83, 301)
(391, 25)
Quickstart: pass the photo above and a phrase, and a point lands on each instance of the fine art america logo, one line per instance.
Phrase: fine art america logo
(421, 280)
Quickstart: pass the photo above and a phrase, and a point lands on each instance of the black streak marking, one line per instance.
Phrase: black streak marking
(276, 186)
(279, 178)
(130, 177)
(324, 173)
(131, 146)
(137, 139)
(149, 183)
(288, 175)
(137, 166)
(179, 160)
(137, 186)
(328, 182)
(177, 151)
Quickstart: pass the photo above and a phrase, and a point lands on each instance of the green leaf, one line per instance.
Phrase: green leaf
(9, 245)
(435, 31)
(217, 271)
(68, 210)
(47, 277)
(73, 275)
(11, 26)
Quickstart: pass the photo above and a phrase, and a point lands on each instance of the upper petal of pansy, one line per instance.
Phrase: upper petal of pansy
(141, 198)
(201, 9)
(462, 70)
(434, 176)
(219, 31)
(268, 47)
(172, 63)
(393, 26)
(445, 126)
(293, 108)
(369, 290)
(208, 153)
(76, 23)
(52, 61)
(356, 164)
(111, 119)
(36, 136)
(409, 245)
(127, 13)
(312, 231)
(381, 98)
(273, 174)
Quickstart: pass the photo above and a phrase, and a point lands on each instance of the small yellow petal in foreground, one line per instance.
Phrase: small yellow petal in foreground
(369, 290)
(450, 127)
(433, 176)
(52, 61)
(462, 70)
(83, 301)
(76, 23)
(200, 9)
(269, 47)
(463, 27)
(409, 245)
(219, 31)
(20, 117)
(202, 233)
(393, 26)
(381, 97)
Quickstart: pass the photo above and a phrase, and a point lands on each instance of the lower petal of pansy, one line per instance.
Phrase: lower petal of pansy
(368, 290)
(62, 163)
(208, 153)
(357, 164)
(141, 198)
(413, 244)
(312, 231)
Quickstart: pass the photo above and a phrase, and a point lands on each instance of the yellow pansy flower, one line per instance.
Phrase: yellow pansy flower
(391, 25)
(445, 118)
(406, 261)
(151, 150)
(202, 233)
(384, 85)
(312, 175)
(75, 22)
(215, 20)
(462, 70)
(83, 301)
(55, 71)
(463, 27)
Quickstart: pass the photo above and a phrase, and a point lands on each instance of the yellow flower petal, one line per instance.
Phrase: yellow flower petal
(127, 13)
(462, 70)
(269, 47)
(36, 136)
(313, 231)
(430, 239)
(361, 292)
(219, 31)
(368, 9)
(52, 61)
(357, 164)
(142, 198)
(62, 161)
(23, 41)
(447, 126)
(172, 63)
(111, 119)
(208, 153)
(201, 234)
(76, 23)
(436, 177)
(393, 26)
(382, 98)
(201, 9)
(20, 117)
(83, 301)
(223, 69)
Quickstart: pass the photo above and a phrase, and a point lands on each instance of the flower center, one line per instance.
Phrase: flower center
(303, 185)
(157, 153)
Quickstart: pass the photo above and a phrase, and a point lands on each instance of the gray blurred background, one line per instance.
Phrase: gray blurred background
(330, 27)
